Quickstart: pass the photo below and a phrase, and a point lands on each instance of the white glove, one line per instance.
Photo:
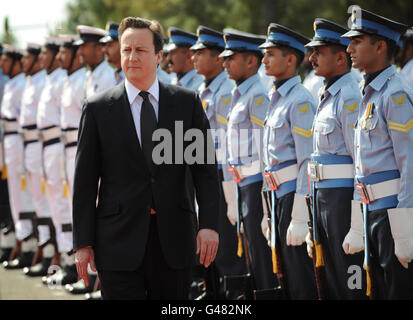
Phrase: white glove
(309, 245)
(401, 225)
(298, 228)
(354, 240)
(230, 193)
(265, 230)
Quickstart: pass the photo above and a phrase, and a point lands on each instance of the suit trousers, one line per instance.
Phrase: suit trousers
(250, 204)
(390, 280)
(333, 221)
(297, 266)
(153, 280)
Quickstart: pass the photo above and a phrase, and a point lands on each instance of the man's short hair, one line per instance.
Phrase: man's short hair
(288, 50)
(257, 54)
(392, 48)
(142, 23)
(336, 48)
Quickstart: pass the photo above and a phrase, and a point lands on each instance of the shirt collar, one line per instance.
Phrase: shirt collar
(187, 77)
(382, 78)
(133, 92)
(99, 68)
(243, 87)
(336, 86)
(286, 87)
(215, 84)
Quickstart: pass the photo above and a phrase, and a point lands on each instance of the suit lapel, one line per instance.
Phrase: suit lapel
(121, 110)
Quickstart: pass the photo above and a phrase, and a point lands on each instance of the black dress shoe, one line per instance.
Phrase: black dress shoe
(24, 260)
(80, 286)
(39, 269)
(97, 295)
(66, 275)
(5, 254)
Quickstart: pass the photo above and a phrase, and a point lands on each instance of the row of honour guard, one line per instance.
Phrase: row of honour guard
(317, 177)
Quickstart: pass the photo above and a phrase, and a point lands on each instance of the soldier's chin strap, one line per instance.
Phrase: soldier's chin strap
(52, 62)
(12, 67)
(73, 58)
(36, 57)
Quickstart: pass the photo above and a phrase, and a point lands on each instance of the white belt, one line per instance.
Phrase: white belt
(30, 135)
(320, 171)
(51, 133)
(10, 126)
(372, 192)
(70, 136)
(249, 169)
(285, 174)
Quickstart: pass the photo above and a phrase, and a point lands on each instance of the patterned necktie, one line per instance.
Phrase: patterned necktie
(148, 126)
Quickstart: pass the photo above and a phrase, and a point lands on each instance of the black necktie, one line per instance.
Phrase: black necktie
(148, 126)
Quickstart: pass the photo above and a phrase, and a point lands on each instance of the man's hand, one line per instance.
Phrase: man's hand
(207, 246)
(83, 257)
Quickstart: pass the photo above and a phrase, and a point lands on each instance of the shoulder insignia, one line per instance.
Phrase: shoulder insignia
(399, 101)
(401, 127)
(226, 101)
(352, 107)
(204, 104)
(260, 100)
(304, 109)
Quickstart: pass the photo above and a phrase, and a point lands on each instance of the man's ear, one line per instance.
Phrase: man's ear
(252, 61)
(381, 47)
(341, 58)
(159, 57)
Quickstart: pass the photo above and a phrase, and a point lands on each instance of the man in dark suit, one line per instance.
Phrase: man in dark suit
(141, 233)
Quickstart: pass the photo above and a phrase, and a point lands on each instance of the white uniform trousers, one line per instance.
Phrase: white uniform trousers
(33, 164)
(20, 201)
(70, 167)
(59, 200)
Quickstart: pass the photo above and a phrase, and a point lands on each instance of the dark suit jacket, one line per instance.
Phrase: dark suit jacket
(109, 151)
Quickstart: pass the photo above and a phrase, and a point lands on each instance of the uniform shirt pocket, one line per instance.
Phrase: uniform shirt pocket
(324, 135)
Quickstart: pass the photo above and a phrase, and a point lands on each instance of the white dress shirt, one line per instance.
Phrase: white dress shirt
(12, 97)
(135, 101)
(101, 78)
(72, 99)
(48, 113)
(31, 97)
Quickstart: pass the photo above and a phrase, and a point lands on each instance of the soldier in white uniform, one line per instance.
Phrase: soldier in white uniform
(51, 157)
(101, 75)
(20, 201)
(5, 214)
(32, 151)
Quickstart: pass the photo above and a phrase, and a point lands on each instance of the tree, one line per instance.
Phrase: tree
(8, 36)
(246, 15)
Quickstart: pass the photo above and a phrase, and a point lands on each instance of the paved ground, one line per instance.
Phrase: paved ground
(14, 285)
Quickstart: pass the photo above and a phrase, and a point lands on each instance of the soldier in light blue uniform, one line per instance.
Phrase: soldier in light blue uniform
(332, 168)
(111, 49)
(287, 146)
(215, 94)
(244, 141)
(180, 59)
(383, 155)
